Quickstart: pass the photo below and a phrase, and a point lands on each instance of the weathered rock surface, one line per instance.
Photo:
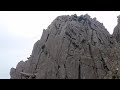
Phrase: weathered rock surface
(73, 47)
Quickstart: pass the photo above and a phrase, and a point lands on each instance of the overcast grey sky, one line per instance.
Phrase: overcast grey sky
(19, 30)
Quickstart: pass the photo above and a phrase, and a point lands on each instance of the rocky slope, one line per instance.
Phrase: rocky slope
(73, 47)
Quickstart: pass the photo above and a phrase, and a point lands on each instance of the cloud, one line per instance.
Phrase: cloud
(13, 48)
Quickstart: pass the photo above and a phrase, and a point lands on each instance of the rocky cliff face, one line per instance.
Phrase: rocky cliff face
(73, 47)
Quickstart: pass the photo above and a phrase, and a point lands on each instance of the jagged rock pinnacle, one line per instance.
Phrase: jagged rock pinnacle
(118, 19)
(116, 33)
(73, 47)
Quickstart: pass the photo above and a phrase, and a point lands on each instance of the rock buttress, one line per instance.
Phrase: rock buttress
(72, 47)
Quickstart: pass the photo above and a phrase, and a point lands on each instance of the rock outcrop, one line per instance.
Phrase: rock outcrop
(73, 47)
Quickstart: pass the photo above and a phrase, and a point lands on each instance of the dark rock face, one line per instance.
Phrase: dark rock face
(73, 47)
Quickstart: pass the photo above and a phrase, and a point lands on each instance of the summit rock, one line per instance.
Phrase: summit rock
(73, 47)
